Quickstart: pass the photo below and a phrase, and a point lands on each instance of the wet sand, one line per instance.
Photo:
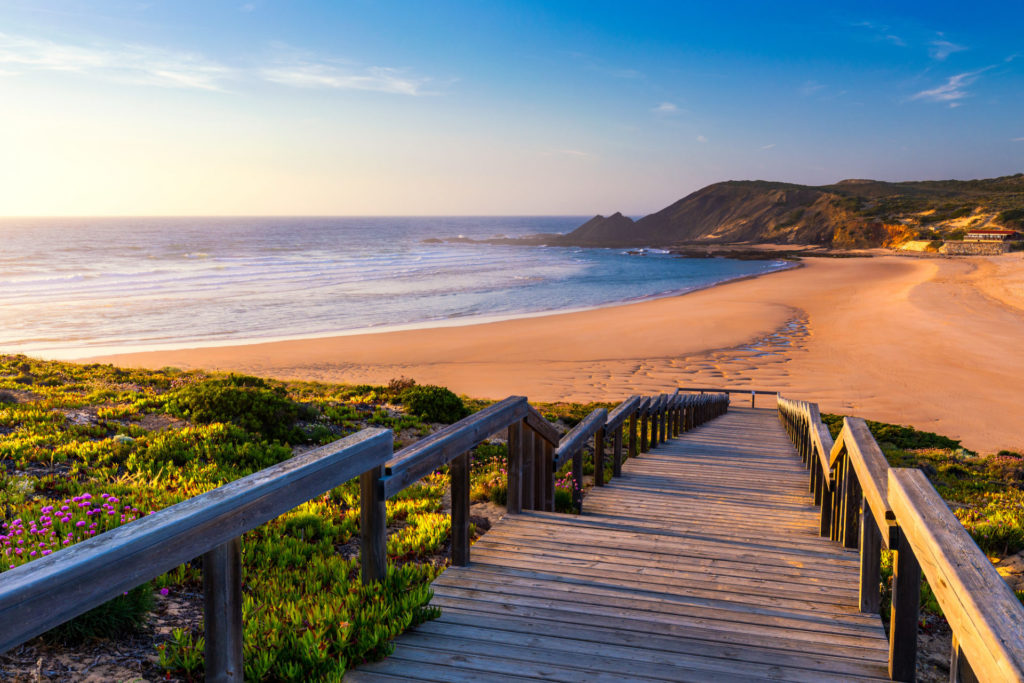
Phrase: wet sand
(934, 343)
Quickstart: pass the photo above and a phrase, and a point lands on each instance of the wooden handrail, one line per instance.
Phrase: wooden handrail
(414, 462)
(621, 412)
(540, 426)
(573, 442)
(870, 505)
(44, 593)
(986, 617)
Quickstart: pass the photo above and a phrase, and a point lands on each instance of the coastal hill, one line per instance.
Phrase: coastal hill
(848, 214)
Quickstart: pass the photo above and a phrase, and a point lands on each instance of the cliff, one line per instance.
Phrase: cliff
(850, 213)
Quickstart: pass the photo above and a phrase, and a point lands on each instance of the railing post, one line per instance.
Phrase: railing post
(373, 526)
(870, 561)
(666, 413)
(541, 473)
(549, 477)
(825, 523)
(599, 457)
(632, 435)
(851, 508)
(514, 502)
(960, 670)
(222, 604)
(752, 395)
(577, 481)
(527, 448)
(643, 430)
(617, 452)
(458, 471)
(906, 600)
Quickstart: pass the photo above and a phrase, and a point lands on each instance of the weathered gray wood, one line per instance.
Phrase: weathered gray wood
(373, 526)
(851, 510)
(528, 438)
(549, 477)
(632, 453)
(222, 609)
(426, 455)
(870, 561)
(37, 596)
(458, 471)
(871, 469)
(960, 670)
(514, 498)
(905, 613)
(541, 471)
(622, 411)
(578, 436)
(981, 609)
(617, 452)
(599, 457)
(577, 481)
(546, 430)
(645, 415)
(678, 565)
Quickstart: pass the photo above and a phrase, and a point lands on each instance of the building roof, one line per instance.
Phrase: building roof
(992, 232)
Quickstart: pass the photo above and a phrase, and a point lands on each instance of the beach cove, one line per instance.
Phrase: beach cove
(925, 342)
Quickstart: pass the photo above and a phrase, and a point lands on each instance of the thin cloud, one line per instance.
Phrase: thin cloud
(133, 64)
(767, 147)
(1017, 139)
(940, 49)
(666, 108)
(340, 77)
(701, 138)
(810, 87)
(579, 154)
(881, 32)
(953, 90)
(247, 7)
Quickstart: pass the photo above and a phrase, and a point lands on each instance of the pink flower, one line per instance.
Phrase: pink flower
(164, 592)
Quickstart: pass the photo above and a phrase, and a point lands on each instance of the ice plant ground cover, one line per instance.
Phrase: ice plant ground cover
(85, 448)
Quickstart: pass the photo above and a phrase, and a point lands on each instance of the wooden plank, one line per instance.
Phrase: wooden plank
(373, 526)
(546, 430)
(578, 436)
(982, 611)
(617, 452)
(527, 448)
(870, 562)
(872, 468)
(514, 496)
(426, 455)
(904, 613)
(599, 457)
(542, 474)
(37, 596)
(222, 608)
(622, 412)
(458, 472)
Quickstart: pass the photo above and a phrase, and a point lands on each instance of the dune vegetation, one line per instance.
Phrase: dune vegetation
(86, 448)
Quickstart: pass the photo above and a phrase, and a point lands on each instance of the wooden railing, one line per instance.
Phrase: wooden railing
(868, 505)
(752, 392)
(45, 593)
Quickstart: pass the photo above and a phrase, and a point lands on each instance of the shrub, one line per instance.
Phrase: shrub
(249, 402)
(434, 404)
(113, 619)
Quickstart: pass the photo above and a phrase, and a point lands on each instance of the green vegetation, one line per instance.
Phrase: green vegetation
(109, 444)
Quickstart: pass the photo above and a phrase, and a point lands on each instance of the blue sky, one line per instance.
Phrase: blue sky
(364, 107)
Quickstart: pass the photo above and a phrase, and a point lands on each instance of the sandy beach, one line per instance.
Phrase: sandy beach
(929, 342)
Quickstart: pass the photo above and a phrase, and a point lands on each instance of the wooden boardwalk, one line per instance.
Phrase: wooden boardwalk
(702, 562)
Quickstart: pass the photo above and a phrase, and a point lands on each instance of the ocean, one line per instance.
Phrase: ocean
(78, 287)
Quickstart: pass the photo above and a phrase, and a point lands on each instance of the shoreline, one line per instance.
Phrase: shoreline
(902, 340)
(446, 323)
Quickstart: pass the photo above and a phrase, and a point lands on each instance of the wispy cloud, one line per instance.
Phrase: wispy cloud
(579, 154)
(881, 33)
(701, 138)
(154, 66)
(1017, 139)
(341, 77)
(953, 90)
(135, 64)
(248, 7)
(940, 49)
(810, 87)
(666, 108)
(767, 147)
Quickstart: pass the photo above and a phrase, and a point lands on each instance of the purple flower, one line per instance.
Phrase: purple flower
(164, 592)
(80, 523)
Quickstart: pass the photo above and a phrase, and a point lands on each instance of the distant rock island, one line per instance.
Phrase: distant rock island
(847, 214)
